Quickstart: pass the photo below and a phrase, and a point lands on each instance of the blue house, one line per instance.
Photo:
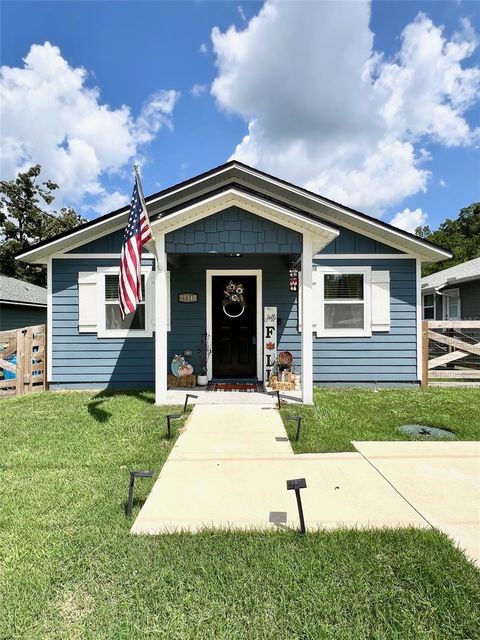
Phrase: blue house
(233, 234)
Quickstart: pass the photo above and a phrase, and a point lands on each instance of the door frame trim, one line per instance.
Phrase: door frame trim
(208, 303)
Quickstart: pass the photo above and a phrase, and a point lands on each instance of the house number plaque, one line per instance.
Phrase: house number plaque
(188, 298)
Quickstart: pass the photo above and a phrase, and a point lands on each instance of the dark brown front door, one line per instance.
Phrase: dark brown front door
(234, 339)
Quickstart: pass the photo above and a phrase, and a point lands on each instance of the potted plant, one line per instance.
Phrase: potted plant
(204, 353)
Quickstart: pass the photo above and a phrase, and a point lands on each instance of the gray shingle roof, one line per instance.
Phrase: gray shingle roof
(466, 271)
(13, 290)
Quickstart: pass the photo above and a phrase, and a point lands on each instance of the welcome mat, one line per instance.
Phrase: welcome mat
(245, 387)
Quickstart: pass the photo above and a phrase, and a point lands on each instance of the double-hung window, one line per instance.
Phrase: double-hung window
(343, 296)
(111, 323)
(429, 306)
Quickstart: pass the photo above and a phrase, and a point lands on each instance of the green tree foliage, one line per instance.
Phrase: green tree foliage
(460, 236)
(24, 222)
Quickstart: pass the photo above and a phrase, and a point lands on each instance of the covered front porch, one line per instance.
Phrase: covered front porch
(242, 244)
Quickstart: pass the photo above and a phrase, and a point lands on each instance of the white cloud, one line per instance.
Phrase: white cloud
(203, 48)
(198, 90)
(50, 116)
(409, 220)
(442, 183)
(327, 111)
(241, 13)
(111, 202)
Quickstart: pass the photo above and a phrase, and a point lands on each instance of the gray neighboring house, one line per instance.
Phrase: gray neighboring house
(453, 294)
(21, 304)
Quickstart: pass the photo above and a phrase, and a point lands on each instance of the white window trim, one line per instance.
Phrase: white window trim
(452, 293)
(102, 331)
(429, 306)
(320, 303)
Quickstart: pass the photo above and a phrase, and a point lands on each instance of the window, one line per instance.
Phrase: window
(113, 318)
(110, 323)
(343, 296)
(429, 306)
(344, 303)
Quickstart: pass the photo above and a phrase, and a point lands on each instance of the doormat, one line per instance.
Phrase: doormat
(245, 387)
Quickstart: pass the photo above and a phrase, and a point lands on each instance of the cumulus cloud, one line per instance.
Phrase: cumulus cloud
(409, 220)
(50, 116)
(203, 48)
(325, 110)
(198, 90)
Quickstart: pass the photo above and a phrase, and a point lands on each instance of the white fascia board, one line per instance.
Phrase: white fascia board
(422, 249)
(428, 254)
(24, 304)
(257, 206)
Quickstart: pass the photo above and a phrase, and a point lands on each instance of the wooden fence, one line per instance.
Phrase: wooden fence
(23, 360)
(451, 353)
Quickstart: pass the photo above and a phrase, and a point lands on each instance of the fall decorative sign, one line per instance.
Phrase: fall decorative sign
(269, 340)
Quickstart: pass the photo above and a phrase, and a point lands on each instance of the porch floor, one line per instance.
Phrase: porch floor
(177, 396)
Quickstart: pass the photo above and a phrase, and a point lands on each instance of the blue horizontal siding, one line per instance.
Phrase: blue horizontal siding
(234, 231)
(188, 320)
(386, 356)
(83, 360)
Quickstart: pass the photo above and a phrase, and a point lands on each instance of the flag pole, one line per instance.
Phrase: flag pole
(152, 246)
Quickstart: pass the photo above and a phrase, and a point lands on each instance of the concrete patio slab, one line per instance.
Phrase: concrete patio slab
(440, 479)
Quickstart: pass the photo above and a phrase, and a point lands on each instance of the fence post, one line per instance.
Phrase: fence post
(28, 359)
(424, 382)
(20, 379)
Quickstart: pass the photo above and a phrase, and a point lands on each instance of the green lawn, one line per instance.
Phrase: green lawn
(70, 570)
(340, 416)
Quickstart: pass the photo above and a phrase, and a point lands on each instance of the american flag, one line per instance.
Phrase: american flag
(137, 233)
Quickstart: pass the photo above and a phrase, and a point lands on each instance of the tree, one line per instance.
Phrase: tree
(460, 236)
(24, 222)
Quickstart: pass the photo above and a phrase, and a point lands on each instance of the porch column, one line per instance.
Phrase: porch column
(307, 319)
(161, 321)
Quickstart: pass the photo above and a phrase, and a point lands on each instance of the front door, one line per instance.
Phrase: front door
(234, 339)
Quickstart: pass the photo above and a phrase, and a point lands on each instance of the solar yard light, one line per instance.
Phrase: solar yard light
(277, 393)
(298, 420)
(187, 396)
(133, 475)
(172, 416)
(296, 485)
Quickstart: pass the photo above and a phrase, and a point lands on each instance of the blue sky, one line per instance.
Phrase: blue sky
(312, 118)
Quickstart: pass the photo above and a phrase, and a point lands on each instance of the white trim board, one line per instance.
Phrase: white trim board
(364, 256)
(321, 233)
(49, 321)
(96, 256)
(24, 304)
(259, 323)
(350, 219)
(419, 314)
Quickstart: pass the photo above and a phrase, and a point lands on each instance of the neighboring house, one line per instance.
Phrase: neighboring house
(453, 294)
(355, 318)
(21, 304)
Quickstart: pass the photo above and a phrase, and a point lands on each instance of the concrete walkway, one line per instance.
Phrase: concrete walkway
(230, 465)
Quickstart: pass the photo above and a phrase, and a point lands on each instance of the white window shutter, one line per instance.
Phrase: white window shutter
(380, 300)
(87, 302)
(317, 289)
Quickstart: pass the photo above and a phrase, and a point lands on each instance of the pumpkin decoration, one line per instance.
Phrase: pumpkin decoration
(180, 367)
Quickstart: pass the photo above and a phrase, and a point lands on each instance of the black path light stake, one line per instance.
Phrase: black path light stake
(188, 395)
(133, 475)
(277, 393)
(296, 485)
(172, 416)
(298, 420)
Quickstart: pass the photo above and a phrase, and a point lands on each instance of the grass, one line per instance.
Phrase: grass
(70, 569)
(340, 416)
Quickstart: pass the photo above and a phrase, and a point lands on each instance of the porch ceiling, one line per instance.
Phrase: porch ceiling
(321, 233)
